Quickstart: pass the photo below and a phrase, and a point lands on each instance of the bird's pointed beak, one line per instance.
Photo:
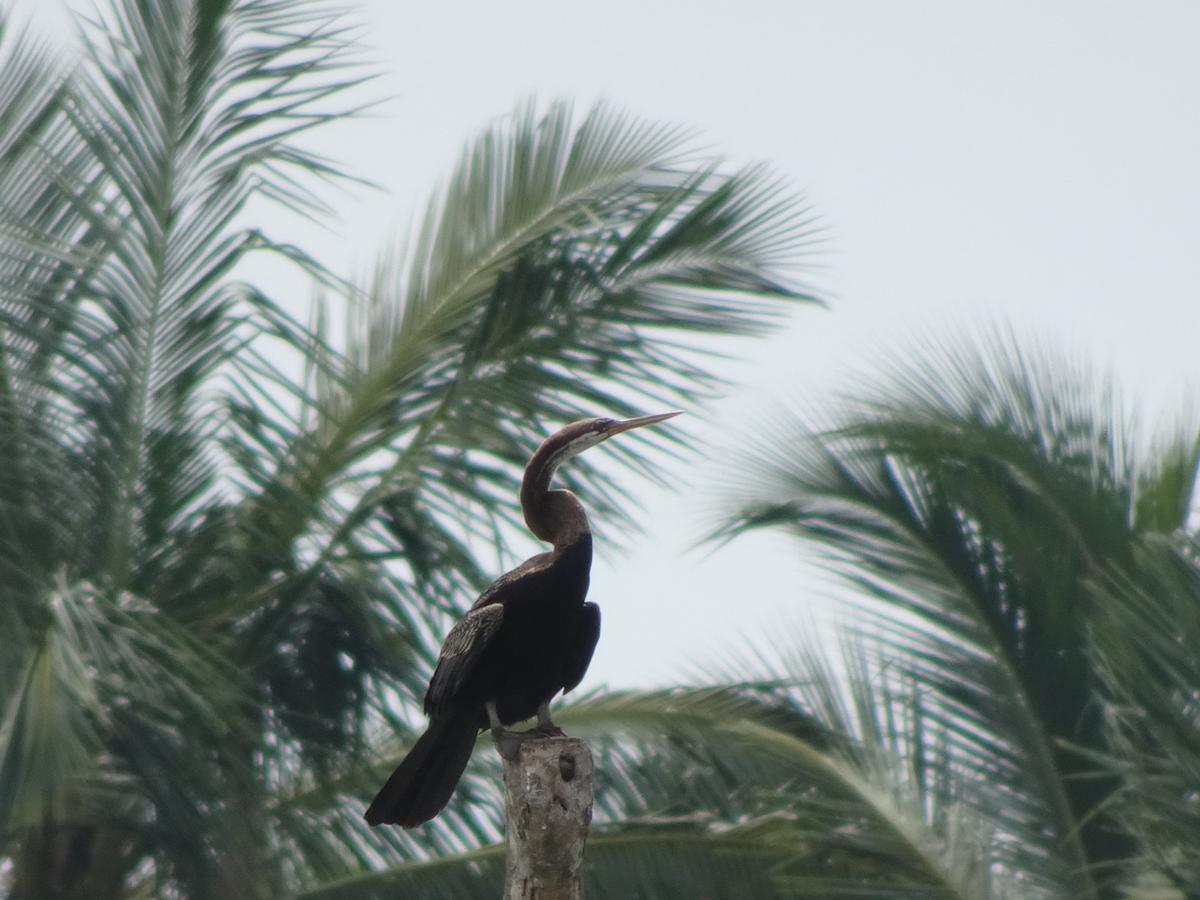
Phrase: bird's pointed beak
(627, 424)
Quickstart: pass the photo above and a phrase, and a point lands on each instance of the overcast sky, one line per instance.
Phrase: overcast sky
(1036, 161)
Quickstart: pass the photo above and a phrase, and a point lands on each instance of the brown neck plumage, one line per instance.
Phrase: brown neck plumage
(556, 517)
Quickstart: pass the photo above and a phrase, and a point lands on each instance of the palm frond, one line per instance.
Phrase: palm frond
(641, 862)
(968, 499)
(191, 110)
(107, 687)
(1145, 639)
(821, 770)
(50, 733)
(39, 255)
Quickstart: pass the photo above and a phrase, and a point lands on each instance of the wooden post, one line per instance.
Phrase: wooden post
(548, 800)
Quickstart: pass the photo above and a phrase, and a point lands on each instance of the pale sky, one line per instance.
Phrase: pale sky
(1032, 161)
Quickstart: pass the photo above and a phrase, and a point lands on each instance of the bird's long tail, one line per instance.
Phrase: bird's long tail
(424, 781)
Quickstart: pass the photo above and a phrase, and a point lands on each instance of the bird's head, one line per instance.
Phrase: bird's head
(579, 436)
(564, 519)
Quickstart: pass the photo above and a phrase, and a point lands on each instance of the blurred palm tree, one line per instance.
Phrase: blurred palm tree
(1018, 684)
(231, 539)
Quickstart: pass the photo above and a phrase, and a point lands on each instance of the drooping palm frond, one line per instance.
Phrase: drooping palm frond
(852, 806)
(776, 788)
(39, 256)
(639, 861)
(1145, 639)
(99, 729)
(668, 821)
(122, 312)
(968, 499)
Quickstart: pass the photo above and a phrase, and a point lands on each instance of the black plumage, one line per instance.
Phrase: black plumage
(530, 635)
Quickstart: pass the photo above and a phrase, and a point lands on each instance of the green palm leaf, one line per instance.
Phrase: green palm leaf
(969, 500)
(106, 689)
(849, 810)
(1145, 642)
(639, 862)
(183, 123)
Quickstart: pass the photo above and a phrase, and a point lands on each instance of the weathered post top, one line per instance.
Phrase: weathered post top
(548, 800)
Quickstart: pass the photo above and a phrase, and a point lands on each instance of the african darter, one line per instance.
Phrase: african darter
(527, 637)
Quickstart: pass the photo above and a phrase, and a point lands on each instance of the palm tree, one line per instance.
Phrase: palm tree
(1019, 681)
(230, 538)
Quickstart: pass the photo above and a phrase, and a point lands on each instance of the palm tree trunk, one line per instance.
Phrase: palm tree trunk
(548, 800)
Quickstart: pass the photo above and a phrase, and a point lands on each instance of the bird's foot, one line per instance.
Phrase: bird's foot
(545, 726)
(509, 742)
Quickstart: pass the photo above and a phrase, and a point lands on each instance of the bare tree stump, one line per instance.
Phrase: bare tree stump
(548, 799)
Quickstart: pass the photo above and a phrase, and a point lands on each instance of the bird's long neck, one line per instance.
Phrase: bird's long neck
(556, 517)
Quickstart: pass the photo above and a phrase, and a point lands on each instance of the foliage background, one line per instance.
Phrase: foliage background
(955, 202)
(966, 162)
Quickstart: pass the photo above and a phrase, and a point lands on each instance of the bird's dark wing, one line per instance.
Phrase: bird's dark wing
(502, 586)
(460, 653)
(583, 645)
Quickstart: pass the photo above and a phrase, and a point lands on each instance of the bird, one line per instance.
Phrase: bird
(531, 634)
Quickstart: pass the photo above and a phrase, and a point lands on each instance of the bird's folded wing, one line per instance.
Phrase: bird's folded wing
(460, 653)
(580, 646)
(502, 586)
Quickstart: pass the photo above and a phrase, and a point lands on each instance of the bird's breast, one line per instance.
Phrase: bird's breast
(554, 587)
